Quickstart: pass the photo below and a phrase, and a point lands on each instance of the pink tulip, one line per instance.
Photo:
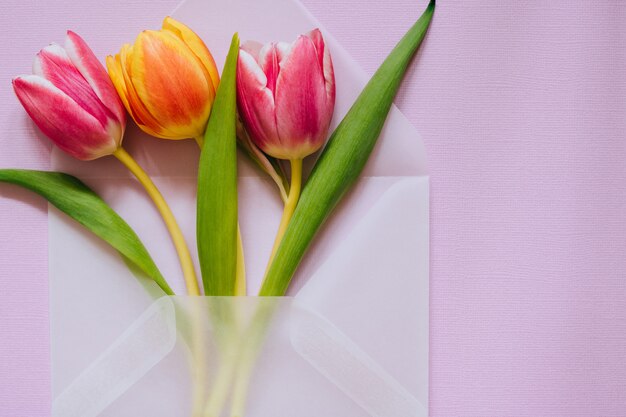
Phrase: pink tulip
(286, 95)
(72, 100)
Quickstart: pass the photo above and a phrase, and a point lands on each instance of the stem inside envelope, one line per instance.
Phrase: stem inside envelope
(224, 337)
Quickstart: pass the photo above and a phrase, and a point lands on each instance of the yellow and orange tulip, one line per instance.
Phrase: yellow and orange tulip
(167, 81)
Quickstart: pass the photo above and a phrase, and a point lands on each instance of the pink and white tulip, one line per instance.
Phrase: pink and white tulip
(71, 98)
(286, 95)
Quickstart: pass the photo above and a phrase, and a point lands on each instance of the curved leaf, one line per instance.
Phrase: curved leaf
(74, 198)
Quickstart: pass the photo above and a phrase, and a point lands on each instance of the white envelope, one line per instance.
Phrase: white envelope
(364, 280)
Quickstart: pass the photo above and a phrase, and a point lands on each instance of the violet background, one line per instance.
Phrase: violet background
(522, 106)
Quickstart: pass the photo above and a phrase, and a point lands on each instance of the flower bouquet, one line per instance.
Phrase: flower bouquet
(275, 102)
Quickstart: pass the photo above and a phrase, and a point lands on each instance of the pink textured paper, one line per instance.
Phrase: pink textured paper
(522, 106)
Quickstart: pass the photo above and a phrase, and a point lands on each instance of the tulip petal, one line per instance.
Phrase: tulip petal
(116, 73)
(136, 108)
(53, 64)
(62, 119)
(169, 80)
(301, 101)
(269, 61)
(196, 45)
(325, 62)
(253, 48)
(114, 67)
(94, 73)
(119, 72)
(256, 102)
(282, 49)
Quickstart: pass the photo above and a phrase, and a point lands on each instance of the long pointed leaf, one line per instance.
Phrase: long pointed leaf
(343, 158)
(74, 198)
(217, 187)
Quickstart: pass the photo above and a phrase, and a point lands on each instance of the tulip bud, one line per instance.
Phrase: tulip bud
(286, 95)
(72, 100)
(167, 81)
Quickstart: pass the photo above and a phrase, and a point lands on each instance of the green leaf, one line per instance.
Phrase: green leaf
(217, 187)
(74, 198)
(344, 157)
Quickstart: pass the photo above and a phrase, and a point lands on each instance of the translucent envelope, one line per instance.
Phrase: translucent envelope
(352, 340)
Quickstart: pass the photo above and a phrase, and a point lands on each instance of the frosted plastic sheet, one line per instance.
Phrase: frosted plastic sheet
(364, 352)
(366, 274)
(273, 354)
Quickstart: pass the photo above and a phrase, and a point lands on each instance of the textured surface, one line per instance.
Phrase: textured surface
(522, 106)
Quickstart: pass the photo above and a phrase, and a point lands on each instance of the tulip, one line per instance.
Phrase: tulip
(72, 100)
(286, 98)
(286, 95)
(167, 81)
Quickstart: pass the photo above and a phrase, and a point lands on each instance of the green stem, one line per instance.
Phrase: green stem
(247, 356)
(223, 381)
(290, 206)
(176, 234)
